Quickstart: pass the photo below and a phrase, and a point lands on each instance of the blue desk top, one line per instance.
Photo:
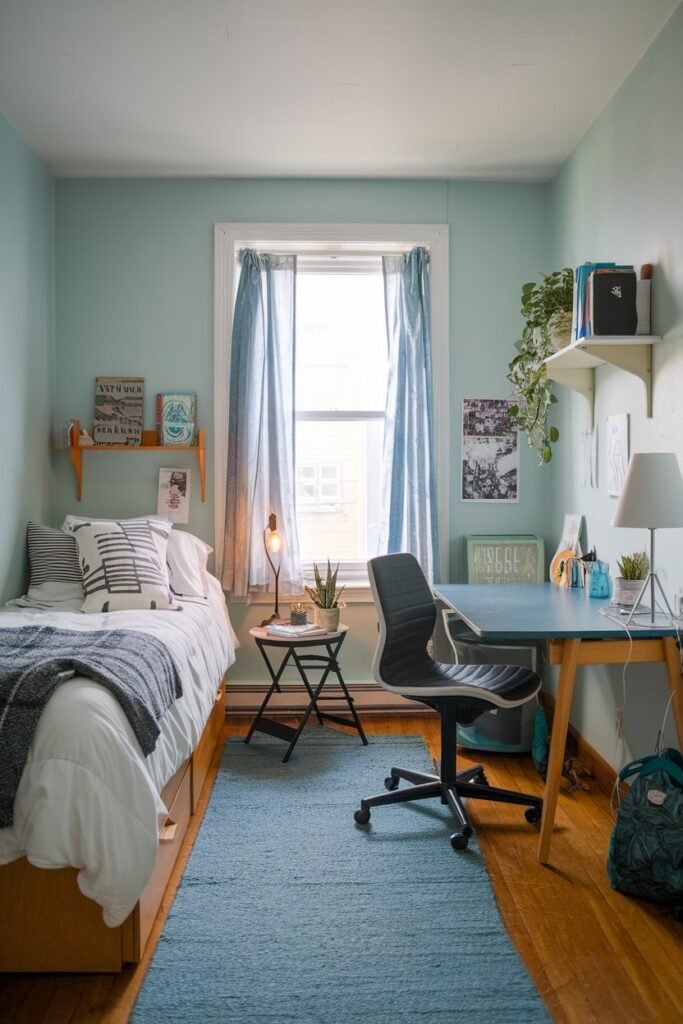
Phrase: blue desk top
(535, 611)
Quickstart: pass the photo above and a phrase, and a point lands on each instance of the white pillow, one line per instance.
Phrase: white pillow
(186, 557)
(122, 564)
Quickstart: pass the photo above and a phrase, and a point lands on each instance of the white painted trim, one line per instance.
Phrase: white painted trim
(246, 697)
(229, 238)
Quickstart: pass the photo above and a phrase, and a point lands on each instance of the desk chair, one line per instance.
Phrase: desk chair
(460, 693)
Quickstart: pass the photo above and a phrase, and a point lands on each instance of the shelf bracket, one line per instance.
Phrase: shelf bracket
(635, 359)
(581, 380)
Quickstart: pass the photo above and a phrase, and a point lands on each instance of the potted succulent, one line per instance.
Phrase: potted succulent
(547, 310)
(633, 568)
(325, 598)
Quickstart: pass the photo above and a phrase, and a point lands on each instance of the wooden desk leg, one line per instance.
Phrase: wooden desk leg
(673, 675)
(558, 740)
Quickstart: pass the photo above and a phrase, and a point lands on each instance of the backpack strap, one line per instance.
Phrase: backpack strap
(648, 765)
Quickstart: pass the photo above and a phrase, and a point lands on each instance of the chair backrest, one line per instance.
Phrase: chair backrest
(407, 613)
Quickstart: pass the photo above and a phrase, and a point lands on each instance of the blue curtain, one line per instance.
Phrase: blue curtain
(261, 426)
(408, 483)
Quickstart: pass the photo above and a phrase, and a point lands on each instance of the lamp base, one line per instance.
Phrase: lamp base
(274, 620)
(651, 582)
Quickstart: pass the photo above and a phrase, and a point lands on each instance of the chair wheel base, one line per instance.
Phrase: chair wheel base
(362, 816)
(533, 815)
(390, 783)
(459, 840)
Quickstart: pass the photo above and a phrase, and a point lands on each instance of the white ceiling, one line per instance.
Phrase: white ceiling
(493, 89)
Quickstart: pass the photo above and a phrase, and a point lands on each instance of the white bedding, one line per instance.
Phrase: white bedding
(87, 797)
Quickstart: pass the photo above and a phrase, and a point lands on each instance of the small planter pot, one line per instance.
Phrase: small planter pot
(328, 618)
(626, 591)
(560, 330)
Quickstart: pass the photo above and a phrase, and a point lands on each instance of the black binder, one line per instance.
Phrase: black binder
(614, 302)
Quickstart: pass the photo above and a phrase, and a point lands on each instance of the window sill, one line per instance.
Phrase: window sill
(356, 593)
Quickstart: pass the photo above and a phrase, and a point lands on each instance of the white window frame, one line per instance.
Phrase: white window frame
(360, 239)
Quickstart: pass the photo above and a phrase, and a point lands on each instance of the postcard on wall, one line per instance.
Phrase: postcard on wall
(118, 410)
(173, 498)
(490, 451)
(617, 453)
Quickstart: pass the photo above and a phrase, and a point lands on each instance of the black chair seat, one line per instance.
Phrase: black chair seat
(460, 693)
(504, 686)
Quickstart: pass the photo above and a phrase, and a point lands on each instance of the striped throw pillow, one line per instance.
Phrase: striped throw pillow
(52, 556)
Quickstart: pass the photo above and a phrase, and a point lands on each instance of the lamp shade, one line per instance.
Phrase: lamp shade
(652, 495)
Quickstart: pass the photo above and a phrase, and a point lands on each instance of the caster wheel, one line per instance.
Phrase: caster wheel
(481, 779)
(533, 815)
(459, 841)
(390, 783)
(362, 816)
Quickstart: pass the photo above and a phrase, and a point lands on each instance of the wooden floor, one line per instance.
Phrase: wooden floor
(594, 955)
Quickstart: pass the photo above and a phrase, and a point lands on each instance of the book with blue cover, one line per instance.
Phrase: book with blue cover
(176, 418)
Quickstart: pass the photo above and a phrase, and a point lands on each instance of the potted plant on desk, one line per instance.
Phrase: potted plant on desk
(325, 598)
(627, 586)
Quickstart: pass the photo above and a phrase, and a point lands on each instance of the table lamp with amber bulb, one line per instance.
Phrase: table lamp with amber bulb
(272, 541)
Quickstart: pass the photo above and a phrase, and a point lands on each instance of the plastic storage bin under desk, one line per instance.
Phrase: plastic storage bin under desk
(508, 730)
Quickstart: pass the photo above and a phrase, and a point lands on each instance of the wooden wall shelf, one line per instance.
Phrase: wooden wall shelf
(149, 444)
(574, 366)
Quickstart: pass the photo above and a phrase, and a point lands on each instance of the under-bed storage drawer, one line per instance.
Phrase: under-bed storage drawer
(203, 753)
(170, 840)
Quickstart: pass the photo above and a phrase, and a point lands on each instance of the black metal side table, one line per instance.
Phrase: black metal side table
(328, 663)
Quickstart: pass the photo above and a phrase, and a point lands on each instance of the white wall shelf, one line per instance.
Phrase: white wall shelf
(574, 366)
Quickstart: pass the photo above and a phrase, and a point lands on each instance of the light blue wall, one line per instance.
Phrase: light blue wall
(620, 197)
(26, 351)
(135, 297)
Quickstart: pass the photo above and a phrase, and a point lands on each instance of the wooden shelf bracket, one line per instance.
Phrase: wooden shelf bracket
(148, 445)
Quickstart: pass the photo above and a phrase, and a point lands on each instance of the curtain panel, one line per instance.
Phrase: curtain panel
(261, 426)
(408, 484)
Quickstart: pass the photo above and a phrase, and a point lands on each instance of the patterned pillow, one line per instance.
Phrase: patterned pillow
(122, 564)
(52, 556)
(54, 571)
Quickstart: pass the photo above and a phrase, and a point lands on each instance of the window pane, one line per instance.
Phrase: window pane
(341, 346)
(338, 515)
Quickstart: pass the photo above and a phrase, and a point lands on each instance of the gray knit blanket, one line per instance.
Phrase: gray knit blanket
(135, 667)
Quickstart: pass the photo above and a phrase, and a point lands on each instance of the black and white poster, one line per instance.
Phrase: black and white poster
(173, 498)
(490, 451)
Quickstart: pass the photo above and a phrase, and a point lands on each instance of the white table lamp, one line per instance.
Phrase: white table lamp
(652, 497)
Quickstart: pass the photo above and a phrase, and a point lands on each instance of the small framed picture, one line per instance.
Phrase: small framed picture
(173, 498)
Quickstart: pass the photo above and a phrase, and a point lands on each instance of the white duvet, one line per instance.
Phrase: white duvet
(87, 797)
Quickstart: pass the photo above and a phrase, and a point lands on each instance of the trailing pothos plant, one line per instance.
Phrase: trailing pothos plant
(527, 373)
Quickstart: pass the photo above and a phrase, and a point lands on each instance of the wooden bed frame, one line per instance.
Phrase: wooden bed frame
(47, 924)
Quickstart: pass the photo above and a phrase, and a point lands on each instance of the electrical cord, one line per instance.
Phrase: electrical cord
(615, 798)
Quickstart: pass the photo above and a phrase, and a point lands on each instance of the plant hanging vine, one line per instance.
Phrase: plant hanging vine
(542, 304)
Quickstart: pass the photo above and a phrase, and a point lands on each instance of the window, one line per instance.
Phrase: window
(343, 391)
(341, 383)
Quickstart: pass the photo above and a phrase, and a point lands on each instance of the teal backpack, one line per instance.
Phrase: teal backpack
(646, 849)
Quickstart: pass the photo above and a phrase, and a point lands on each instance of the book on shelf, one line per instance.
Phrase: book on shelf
(583, 312)
(118, 410)
(301, 632)
(612, 302)
(176, 418)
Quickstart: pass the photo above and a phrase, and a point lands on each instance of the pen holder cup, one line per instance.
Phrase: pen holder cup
(599, 581)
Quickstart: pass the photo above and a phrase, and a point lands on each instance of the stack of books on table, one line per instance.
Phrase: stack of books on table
(286, 631)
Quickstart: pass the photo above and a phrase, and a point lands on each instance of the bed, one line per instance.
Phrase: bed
(97, 827)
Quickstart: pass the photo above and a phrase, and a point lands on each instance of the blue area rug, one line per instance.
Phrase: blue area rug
(290, 912)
